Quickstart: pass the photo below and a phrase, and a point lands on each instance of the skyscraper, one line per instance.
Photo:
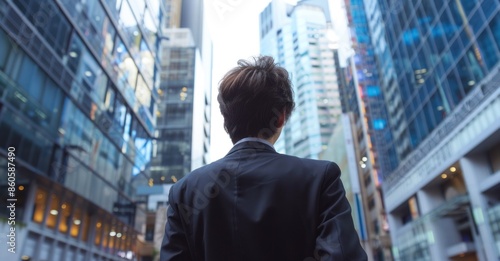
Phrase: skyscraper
(442, 199)
(78, 90)
(296, 36)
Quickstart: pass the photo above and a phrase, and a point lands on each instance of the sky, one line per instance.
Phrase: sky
(234, 29)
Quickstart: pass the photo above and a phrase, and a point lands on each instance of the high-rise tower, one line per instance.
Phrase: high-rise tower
(296, 36)
(77, 100)
(442, 199)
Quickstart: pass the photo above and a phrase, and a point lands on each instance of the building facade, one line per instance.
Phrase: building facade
(296, 36)
(442, 199)
(343, 149)
(78, 91)
(183, 117)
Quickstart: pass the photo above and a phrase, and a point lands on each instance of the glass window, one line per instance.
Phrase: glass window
(488, 7)
(54, 211)
(143, 93)
(52, 101)
(138, 7)
(488, 49)
(477, 21)
(437, 34)
(45, 248)
(465, 74)
(4, 49)
(57, 254)
(31, 245)
(75, 53)
(39, 206)
(449, 27)
(429, 116)
(456, 49)
(114, 7)
(120, 111)
(109, 102)
(98, 233)
(150, 30)
(125, 66)
(425, 15)
(455, 89)
(495, 29)
(458, 11)
(475, 66)
(108, 33)
(76, 222)
(437, 108)
(85, 226)
(31, 78)
(105, 235)
(414, 135)
(65, 221)
(129, 25)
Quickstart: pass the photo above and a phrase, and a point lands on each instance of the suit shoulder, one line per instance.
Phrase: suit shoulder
(309, 162)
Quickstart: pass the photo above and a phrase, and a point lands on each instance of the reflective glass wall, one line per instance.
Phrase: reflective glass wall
(78, 91)
(441, 51)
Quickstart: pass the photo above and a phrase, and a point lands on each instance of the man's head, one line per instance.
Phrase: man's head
(255, 99)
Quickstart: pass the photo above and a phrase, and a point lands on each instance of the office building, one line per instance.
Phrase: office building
(78, 91)
(183, 116)
(296, 36)
(343, 149)
(363, 95)
(182, 138)
(443, 198)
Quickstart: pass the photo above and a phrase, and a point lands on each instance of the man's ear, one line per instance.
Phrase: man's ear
(281, 120)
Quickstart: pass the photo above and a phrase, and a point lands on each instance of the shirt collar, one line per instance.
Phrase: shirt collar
(254, 139)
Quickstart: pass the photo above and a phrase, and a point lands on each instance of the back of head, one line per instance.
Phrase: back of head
(255, 98)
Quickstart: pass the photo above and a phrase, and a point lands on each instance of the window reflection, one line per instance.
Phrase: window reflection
(125, 66)
(40, 204)
(454, 88)
(488, 49)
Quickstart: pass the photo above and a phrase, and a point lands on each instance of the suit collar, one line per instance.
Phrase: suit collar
(253, 145)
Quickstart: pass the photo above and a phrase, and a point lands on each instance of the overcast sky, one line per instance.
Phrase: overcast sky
(234, 28)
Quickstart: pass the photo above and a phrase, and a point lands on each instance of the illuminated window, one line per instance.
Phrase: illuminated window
(76, 223)
(40, 204)
(105, 236)
(98, 233)
(85, 227)
(65, 222)
(53, 211)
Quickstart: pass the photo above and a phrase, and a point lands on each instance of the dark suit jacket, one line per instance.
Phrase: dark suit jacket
(256, 204)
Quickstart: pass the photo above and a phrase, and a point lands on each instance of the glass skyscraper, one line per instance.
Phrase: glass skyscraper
(442, 199)
(297, 37)
(78, 91)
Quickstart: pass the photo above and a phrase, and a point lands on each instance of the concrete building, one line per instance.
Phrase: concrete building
(443, 198)
(78, 91)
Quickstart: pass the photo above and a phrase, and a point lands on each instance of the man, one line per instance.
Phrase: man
(256, 204)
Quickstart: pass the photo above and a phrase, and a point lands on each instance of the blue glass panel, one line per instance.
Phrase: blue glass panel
(488, 49)
(373, 90)
(379, 124)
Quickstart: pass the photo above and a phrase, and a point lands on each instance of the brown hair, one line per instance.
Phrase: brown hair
(253, 97)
